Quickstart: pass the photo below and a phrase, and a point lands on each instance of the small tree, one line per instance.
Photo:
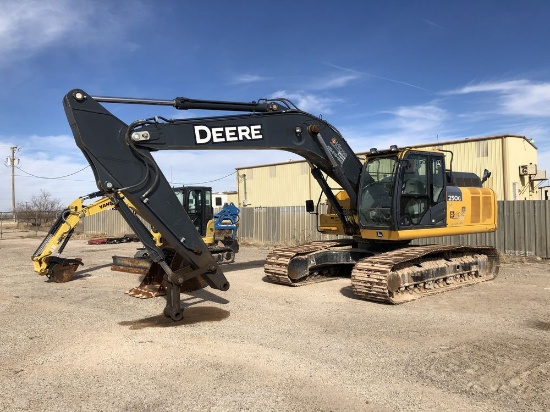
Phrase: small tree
(42, 208)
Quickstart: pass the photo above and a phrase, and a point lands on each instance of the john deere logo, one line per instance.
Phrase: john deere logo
(205, 134)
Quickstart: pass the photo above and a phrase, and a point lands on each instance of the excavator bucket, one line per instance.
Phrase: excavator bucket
(62, 270)
(152, 285)
(139, 266)
(154, 282)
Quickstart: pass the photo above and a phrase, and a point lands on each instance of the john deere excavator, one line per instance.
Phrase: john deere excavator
(395, 196)
(218, 233)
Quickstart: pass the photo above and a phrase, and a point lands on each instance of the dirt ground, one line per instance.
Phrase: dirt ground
(86, 346)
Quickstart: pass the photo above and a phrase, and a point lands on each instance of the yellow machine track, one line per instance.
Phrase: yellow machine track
(393, 277)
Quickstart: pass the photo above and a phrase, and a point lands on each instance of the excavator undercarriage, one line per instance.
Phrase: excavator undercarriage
(394, 277)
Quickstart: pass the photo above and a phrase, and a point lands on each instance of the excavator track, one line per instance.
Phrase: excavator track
(410, 273)
(277, 263)
(394, 277)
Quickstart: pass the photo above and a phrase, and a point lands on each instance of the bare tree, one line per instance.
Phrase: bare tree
(42, 208)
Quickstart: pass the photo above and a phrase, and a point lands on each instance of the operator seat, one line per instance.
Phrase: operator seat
(414, 201)
(413, 187)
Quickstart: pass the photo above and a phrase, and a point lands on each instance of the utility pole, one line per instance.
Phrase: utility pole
(12, 161)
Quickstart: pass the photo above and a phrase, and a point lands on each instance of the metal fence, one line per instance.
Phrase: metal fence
(523, 228)
(287, 225)
(5, 218)
(107, 223)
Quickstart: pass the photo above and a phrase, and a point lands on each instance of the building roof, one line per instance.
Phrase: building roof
(477, 139)
(459, 141)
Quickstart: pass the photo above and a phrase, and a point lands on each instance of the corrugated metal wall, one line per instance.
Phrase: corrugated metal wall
(524, 228)
(475, 156)
(289, 225)
(107, 223)
(290, 183)
(502, 157)
(269, 185)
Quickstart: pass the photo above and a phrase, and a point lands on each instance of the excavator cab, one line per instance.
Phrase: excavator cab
(407, 194)
(197, 201)
(403, 190)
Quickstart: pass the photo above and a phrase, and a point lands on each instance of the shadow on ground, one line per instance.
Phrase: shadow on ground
(191, 316)
(85, 273)
(233, 267)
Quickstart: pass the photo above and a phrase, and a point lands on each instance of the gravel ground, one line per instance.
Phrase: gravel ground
(86, 346)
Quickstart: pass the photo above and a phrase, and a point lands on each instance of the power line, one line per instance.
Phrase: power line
(63, 179)
(78, 171)
(58, 177)
(209, 181)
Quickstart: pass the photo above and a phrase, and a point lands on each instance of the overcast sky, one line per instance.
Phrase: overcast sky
(391, 72)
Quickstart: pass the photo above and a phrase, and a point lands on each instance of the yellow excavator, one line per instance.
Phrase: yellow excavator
(396, 195)
(405, 194)
(219, 234)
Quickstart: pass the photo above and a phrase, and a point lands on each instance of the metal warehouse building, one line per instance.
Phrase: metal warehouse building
(511, 159)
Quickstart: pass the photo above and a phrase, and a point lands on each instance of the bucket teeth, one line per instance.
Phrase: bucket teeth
(152, 290)
(147, 292)
(154, 283)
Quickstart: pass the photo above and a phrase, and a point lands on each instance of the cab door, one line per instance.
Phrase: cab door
(421, 191)
(199, 207)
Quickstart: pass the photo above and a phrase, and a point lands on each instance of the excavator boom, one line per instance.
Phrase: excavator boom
(120, 157)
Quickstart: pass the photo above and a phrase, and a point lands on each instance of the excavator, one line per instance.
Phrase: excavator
(218, 232)
(394, 196)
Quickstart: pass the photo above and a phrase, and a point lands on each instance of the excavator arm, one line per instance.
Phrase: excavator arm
(46, 259)
(120, 157)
